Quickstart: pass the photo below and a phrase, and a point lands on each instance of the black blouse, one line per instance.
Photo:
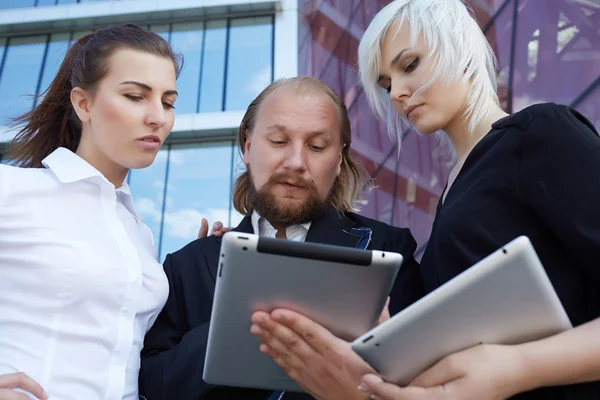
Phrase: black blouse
(536, 173)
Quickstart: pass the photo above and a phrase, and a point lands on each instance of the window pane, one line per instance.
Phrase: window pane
(249, 64)
(187, 39)
(161, 29)
(20, 75)
(57, 48)
(590, 107)
(41, 3)
(147, 188)
(67, 1)
(2, 47)
(198, 186)
(486, 9)
(499, 35)
(557, 53)
(213, 66)
(7, 4)
(78, 35)
(238, 168)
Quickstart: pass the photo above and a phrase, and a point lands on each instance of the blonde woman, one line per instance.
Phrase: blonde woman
(533, 173)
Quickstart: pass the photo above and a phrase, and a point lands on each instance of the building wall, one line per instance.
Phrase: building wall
(548, 53)
(232, 50)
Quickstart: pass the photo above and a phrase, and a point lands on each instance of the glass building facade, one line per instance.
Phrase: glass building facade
(548, 51)
(545, 54)
(228, 59)
(9, 4)
(227, 62)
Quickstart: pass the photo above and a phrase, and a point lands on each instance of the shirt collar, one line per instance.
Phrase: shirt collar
(256, 220)
(68, 167)
(124, 193)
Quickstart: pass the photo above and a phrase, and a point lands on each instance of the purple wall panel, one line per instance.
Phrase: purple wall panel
(556, 58)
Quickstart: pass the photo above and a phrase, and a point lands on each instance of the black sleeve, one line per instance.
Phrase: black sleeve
(175, 347)
(408, 286)
(173, 357)
(559, 177)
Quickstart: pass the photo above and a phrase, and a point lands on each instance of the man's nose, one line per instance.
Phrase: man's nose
(295, 159)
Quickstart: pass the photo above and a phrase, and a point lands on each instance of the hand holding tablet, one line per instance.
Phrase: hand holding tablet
(343, 289)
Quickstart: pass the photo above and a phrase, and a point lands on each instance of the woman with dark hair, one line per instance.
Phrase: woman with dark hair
(81, 283)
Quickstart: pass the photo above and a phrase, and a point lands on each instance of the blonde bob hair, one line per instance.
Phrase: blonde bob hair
(459, 49)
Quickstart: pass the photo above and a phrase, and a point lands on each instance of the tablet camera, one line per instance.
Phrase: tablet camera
(367, 338)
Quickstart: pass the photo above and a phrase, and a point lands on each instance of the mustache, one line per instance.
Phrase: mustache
(291, 179)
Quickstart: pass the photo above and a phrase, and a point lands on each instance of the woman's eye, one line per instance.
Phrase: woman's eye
(133, 98)
(388, 89)
(168, 105)
(411, 67)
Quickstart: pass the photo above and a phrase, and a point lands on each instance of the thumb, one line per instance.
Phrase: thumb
(217, 226)
(379, 389)
(203, 232)
(385, 313)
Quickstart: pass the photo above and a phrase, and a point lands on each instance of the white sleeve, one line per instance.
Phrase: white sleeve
(4, 184)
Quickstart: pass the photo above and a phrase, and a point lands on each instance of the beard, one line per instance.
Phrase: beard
(280, 214)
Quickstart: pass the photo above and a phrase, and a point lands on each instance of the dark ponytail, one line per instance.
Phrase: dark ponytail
(53, 122)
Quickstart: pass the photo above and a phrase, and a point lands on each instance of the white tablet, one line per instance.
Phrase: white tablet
(342, 288)
(506, 298)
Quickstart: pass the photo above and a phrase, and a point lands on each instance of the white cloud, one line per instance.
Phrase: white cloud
(177, 158)
(187, 41)
(185, 223)
(159, 184)
(236, 218)
(147, 209)
(161, 156)
(260, 81)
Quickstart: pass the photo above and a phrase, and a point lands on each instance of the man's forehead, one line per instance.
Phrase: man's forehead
(287, 96)
(292, 109)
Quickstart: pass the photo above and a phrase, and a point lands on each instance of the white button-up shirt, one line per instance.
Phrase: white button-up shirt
(80, 283)
(262, 227)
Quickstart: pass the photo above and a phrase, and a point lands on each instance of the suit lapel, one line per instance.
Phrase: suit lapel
(333, 228)
(212, 257)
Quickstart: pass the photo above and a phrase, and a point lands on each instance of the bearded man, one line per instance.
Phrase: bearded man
(300, 184)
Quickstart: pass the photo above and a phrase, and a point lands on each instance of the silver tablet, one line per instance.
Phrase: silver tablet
(344, 289)
(506, 298)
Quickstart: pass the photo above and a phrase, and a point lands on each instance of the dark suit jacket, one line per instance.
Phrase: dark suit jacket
(174, 349)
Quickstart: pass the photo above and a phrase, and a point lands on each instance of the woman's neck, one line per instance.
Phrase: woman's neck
(114, 173)
(464, 140)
